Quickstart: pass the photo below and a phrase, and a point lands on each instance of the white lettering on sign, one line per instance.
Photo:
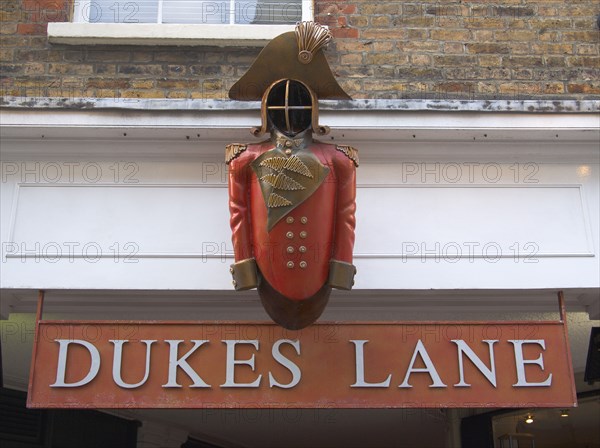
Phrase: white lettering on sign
(487, 368)
(521, 378)
(175, 362)
(429, 367)
(285, 362)
(62, 363)
(118, 358)
(232, 362)
(490, 373)
(359, 349)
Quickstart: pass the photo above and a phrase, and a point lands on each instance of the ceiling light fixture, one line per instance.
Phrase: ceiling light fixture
(529, 419)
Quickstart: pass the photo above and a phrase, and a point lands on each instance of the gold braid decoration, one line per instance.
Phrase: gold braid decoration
(292, 163)
(233, 151)
(277, 201)
(282, 182)
(310, 37)
(350, 152)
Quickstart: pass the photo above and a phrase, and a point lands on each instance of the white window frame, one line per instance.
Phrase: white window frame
(81, 32)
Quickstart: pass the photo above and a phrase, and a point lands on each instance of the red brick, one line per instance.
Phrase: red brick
(31, 28)
(345, 33)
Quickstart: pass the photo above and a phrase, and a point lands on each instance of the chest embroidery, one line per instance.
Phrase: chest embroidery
(292, 163)
(286, 182)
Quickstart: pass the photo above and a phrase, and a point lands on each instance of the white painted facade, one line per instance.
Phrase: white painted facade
(122, 213)
(114, 200)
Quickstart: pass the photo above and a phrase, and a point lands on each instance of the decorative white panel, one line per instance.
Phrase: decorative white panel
(463, 221)
(148, 219)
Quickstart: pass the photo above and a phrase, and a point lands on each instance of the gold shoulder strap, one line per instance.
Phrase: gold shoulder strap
(350, 152)
(233, 151)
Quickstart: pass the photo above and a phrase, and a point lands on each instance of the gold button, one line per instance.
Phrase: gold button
(231, 270)
(290, 250)
(289, 219)
(233, 282)
(302, 249)
(303, 234)
(288, 151)
(288, 143)
(290, 235)
(304, 220)
(290, 264)
(303, 264)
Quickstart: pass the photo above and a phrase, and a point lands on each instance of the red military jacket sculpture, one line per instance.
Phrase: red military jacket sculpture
(292, 205)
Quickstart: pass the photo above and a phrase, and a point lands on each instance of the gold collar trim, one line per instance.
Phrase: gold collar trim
(282, 141)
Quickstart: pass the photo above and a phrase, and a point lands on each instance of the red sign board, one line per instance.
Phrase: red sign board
(337, 365)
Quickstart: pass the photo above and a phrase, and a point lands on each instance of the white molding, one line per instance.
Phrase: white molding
(13, 212)
(446, 125)
(163, 34)
(359, 118)
(380, 135)
(200, 255)
(587, 218)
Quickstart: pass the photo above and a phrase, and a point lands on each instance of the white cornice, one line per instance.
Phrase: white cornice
(392, 124)
(433, 105)
(383, 133)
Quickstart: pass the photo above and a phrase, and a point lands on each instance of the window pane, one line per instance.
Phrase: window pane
(246, 11)
(277, 11)
(111, 11)
(193, 11)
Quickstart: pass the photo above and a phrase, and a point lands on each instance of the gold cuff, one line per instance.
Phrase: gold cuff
(244, 274)
(341, 274)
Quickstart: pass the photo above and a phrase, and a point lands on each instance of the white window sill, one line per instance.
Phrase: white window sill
(163, 34)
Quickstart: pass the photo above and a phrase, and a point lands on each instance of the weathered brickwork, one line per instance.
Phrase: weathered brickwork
(509, 49)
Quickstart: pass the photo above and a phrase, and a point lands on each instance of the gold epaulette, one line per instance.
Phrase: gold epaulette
(350, 152)
(233, 151)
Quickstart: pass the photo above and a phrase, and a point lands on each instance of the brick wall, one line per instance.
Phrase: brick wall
(510, 49)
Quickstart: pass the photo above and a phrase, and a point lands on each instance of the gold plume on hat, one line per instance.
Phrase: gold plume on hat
(311, 37)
